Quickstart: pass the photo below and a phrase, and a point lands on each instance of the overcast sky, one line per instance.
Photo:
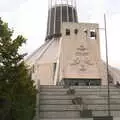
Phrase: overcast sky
(29, 18)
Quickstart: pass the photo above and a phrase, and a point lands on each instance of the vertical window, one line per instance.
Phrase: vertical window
(54, 69)
(67, 31)
(92, 34)
(76, 31)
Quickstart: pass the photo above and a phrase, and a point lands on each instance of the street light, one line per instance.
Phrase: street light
(107, 66)
(106, 40)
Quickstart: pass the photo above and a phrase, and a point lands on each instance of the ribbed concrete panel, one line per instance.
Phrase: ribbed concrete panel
(59, 14)
(35, 55)
(50, 55)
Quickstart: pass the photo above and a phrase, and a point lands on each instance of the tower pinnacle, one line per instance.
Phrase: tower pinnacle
(61, 2)
(60, 11)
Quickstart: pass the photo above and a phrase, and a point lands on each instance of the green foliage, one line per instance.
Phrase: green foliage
(17, 90)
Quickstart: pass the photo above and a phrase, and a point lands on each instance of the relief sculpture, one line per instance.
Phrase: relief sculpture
(81, 58)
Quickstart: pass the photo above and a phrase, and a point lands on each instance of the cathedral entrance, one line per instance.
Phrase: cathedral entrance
(82, 82)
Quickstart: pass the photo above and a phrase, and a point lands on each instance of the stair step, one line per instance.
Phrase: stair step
(78, 87)
(80, 93)
(74, 114)
(69, 102)
(72, 96)
(105, 113)
(114, 118)
(56, 104)
(71, 119)
(77, 107)
(60, 114)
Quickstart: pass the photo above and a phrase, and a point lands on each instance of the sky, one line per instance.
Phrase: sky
(29, 18)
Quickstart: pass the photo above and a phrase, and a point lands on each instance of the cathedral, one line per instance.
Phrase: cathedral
(71, 53)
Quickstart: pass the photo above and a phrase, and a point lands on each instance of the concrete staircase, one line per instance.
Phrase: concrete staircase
(56, 104)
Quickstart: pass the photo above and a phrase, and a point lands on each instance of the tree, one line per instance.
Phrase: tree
(17, 90)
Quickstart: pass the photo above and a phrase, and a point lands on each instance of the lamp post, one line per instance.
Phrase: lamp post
(109, 117)
(107, 66)
(106, 46)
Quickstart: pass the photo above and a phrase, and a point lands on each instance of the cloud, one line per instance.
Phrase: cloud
(10, 5)
(32, 23)
(114, 37)
(90, 10)
(29, 17)
(112, 6)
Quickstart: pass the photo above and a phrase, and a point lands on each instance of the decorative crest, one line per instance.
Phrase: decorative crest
(82, 59)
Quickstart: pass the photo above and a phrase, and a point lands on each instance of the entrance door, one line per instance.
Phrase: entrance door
(82, 82)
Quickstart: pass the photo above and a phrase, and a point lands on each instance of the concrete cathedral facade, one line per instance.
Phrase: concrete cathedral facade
(71, 52)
